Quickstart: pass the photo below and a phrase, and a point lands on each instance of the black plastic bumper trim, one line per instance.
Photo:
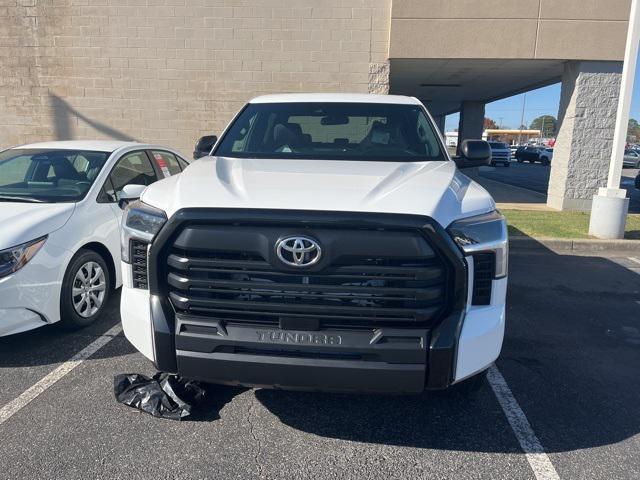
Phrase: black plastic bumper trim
(296, 374)
(164, 345)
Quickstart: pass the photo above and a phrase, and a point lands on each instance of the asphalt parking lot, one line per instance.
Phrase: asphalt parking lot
(536, 177)
(570, 360)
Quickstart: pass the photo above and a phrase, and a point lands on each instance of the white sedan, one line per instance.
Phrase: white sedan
(60, 210)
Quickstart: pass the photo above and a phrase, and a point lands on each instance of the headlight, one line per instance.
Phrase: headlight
(14, 258)
(483, 233)
(139, 221)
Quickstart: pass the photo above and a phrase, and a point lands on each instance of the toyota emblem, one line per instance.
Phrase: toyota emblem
(298, 251)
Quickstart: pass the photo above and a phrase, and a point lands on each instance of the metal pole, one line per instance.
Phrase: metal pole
(524, 101)
(610, 206)
(626, 92)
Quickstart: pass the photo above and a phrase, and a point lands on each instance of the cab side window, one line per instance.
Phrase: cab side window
(132, 169)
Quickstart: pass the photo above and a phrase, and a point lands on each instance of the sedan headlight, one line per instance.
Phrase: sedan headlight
(484, 233)
(140, 222)
(14, 258)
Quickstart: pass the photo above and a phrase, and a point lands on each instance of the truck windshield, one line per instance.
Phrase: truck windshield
(332, 131)
(45, 175)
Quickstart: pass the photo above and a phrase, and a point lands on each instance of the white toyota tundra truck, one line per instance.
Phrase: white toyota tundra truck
(328, 242)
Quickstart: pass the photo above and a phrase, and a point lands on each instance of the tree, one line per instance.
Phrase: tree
(546, 124)
(489, 123)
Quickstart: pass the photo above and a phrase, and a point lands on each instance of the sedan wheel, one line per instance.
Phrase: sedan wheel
(89, 289)
(85, 290)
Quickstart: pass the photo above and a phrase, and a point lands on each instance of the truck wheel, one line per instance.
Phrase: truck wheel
(471, 385)
(85, 290)
(545, 162)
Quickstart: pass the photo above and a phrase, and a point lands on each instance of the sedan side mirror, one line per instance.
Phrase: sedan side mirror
(129, 193)
(474, 153)
(204, 146)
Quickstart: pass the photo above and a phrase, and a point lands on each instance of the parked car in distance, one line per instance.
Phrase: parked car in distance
(500, 154)
(329, 242)
(60, 210)
(631, 159)
(529, 154)
(514, 149)
(546, 155)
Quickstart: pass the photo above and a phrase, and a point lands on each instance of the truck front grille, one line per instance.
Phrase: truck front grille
(352, 291)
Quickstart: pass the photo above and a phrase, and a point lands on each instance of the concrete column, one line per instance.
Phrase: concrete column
(440, 123)
(587, 118)
(471, 124)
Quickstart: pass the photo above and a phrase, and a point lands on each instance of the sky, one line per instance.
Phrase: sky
(543, 101)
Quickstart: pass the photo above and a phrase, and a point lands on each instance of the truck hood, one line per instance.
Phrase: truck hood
(23, 222)
(435, 189)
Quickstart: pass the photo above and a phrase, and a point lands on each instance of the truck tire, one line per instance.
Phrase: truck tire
(85, 290)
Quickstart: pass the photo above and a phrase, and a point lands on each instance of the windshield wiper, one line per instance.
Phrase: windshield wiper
(9, 198)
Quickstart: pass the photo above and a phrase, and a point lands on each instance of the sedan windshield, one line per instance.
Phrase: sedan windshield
(332, 131)
(46, 175)
(498, 145)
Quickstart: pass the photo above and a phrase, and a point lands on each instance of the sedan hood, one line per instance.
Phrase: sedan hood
(435, 189)
(22, 222)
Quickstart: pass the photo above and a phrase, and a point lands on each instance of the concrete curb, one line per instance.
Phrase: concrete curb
(517, 243)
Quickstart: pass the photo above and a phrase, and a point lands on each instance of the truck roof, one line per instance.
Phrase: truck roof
(335, 98)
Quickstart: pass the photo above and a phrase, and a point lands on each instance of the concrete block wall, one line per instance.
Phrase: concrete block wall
(169, 71)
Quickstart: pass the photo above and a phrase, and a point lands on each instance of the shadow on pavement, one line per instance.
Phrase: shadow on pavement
(571, 356)
(443, 420)
(216, 397)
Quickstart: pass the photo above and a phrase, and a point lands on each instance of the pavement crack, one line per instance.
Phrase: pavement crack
(256, 456)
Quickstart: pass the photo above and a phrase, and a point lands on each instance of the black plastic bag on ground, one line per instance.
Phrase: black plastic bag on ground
(164, 395)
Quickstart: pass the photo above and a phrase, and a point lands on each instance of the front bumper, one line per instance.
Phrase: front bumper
(16, 320)
(385, 361)
(30, 297)
(465, 342)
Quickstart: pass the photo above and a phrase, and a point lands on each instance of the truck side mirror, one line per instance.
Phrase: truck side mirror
(129, 193)
(474, 153)
(204, 146)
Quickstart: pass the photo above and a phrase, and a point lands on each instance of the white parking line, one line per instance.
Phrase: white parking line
(34, 391)
(540, 463)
